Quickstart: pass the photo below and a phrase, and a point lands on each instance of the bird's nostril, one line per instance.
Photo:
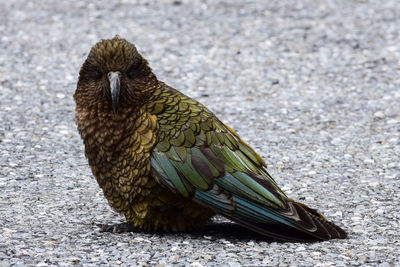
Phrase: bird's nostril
(113, 74)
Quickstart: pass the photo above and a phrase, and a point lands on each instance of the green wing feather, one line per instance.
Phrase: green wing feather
(205, 160)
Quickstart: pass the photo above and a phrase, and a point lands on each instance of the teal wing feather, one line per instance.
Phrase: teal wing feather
(207, 161)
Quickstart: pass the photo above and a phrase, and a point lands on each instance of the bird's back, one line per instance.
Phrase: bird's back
(202, 159)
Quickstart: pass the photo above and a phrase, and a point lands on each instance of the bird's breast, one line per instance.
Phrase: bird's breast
(118, 148)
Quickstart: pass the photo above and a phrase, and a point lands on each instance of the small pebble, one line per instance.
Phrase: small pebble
(312, 86)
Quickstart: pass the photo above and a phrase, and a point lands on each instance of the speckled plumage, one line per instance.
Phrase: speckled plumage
(167, 163)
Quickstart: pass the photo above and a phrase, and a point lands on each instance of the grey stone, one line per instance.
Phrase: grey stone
(313, 86)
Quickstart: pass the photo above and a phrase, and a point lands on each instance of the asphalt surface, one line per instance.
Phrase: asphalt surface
(313, 86)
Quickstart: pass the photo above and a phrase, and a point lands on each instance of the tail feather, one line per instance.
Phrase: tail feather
(334, 230)
(298, 225)
(340, 233)
(276, 231)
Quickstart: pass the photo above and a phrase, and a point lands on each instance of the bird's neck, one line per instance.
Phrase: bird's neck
(107, 133)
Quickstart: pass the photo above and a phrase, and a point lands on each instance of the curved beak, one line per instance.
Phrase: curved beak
(113, 78)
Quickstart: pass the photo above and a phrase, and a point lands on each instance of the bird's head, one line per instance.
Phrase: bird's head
(115, 72)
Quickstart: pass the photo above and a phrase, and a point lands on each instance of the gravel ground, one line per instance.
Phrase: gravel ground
(313, 86)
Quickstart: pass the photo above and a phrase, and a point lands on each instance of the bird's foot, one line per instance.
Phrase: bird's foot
(118, 228)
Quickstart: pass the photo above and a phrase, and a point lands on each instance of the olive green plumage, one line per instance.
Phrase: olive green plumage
(167, 163)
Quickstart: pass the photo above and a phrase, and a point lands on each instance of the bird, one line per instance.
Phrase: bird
(168, 164)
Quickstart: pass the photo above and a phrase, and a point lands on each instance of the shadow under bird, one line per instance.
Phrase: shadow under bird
(169, 164)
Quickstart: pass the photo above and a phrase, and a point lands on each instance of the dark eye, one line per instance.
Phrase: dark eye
(133, 72)
(97, 73)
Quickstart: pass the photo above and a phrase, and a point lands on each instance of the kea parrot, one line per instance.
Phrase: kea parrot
(168, 164)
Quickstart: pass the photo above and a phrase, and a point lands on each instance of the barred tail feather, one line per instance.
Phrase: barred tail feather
(300, 223)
